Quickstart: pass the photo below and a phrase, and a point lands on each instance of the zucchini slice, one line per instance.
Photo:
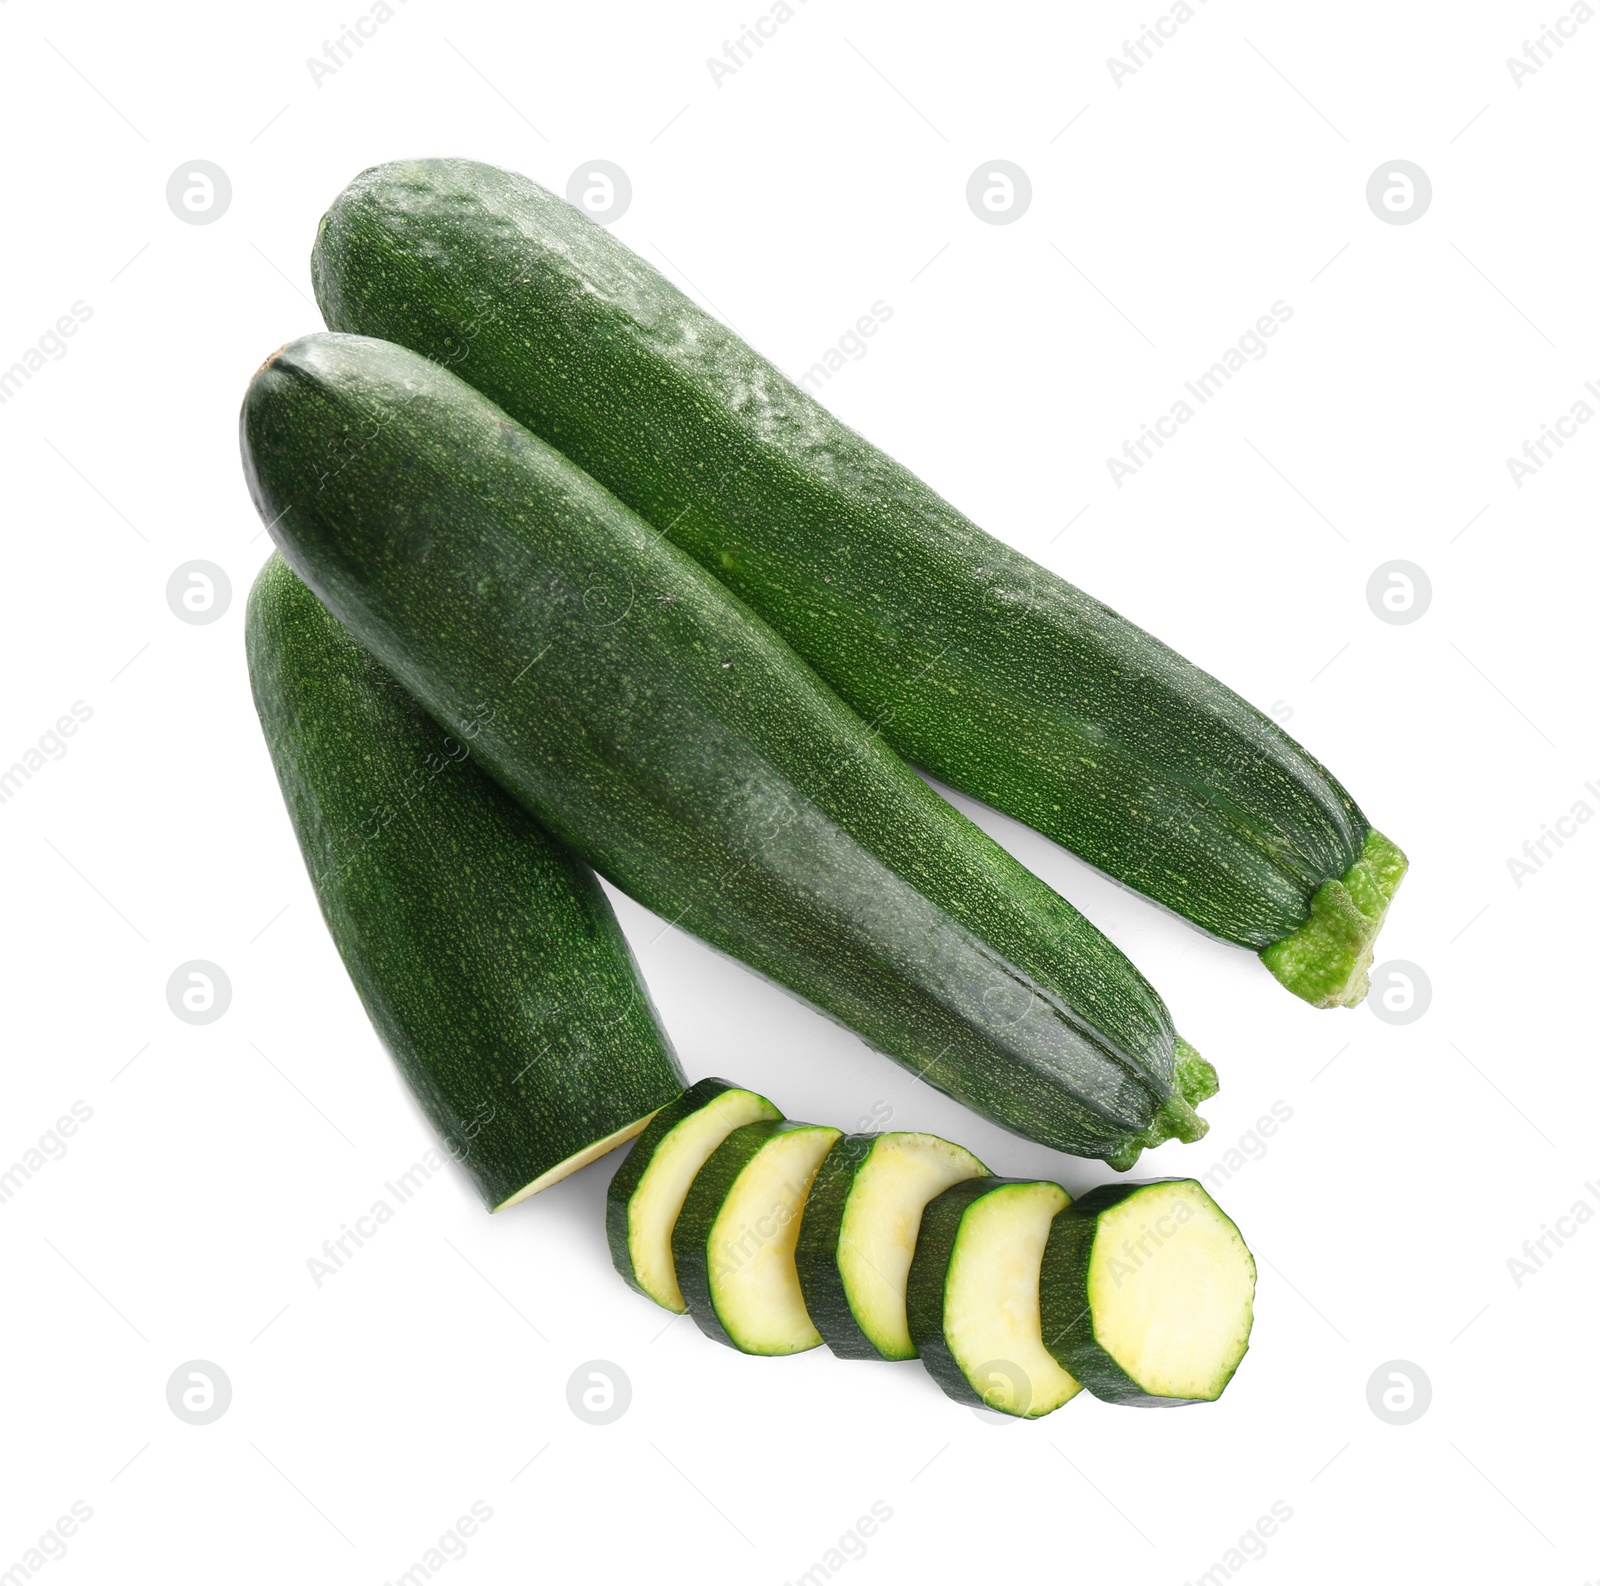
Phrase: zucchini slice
(860, 1230)
(972, 1297)
(1146, 1293)
(734, 1241)
(647, 1191)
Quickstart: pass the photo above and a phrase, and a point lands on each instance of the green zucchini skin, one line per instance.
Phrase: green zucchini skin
(1066, 1311)
(989, 671)
(653, 724)
(816, 1254)
(936, 1242)
(486, 955)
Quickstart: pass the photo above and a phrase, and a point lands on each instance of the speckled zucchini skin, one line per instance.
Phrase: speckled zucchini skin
(667, 736)
(816, 1252)
(487, 956)
(974, 662)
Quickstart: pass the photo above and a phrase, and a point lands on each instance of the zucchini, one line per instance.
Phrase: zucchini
(734, 1240)
(647, 1191)
(977, 664)
(972, 1297)
(1147, 1293)
(652, 723)
(487, 956)
(859, 1232)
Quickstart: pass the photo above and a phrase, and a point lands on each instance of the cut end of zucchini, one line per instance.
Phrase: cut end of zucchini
(1147, 1293)
(582, 1158)
(1327, 959)
(1194, 1080)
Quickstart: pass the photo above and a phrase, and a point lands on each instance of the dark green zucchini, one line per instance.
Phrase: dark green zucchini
(663, 732)
(972, 1297)
(487, 956)
(860, 1231)
(1147, 1293)
(974, 662)
(733, 1243)
(648, 1190)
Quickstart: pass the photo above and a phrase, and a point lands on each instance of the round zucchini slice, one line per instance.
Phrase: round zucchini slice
(647, 1191)
(972, 1298)
(734, 1241)
(1146, 1293)
(860, 1230)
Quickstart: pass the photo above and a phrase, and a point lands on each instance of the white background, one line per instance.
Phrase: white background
(828, 172)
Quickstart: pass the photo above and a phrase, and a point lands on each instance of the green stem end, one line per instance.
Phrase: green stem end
(1194, 1080)
(1327, 959)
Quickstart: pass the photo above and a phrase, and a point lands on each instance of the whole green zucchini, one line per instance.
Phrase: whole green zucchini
(487, 956)
(974, 662)
(663, 732)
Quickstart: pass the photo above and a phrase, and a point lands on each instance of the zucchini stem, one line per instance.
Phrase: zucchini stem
(1194, 1080)
(1327, 959)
